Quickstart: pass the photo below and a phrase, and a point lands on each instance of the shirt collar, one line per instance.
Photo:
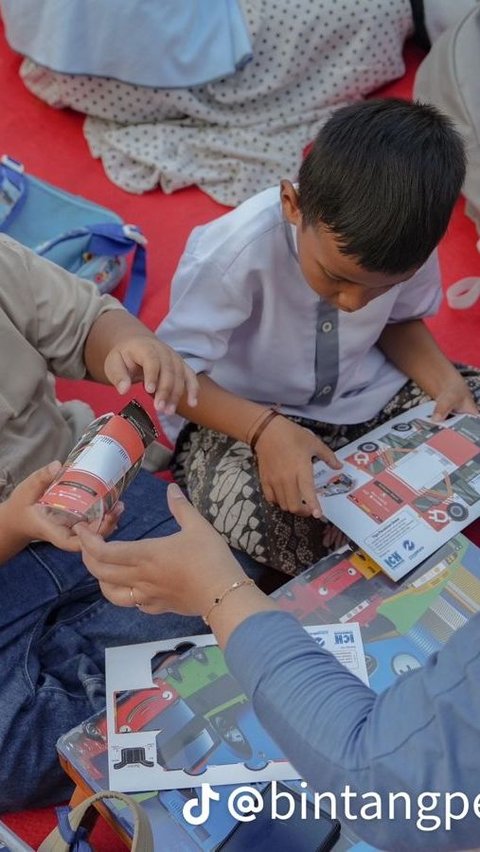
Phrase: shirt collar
(291, 237)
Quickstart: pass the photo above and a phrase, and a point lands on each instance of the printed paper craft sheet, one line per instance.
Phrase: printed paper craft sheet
(173, 717)
(406, 487)
(401, 625)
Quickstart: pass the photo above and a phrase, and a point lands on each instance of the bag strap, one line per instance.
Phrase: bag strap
(13, 190)
(112, 239)
(71, 836)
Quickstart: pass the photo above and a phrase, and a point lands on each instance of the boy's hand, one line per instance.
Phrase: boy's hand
(165, 374)
(454, 398)
(24, 521)
(284, 452)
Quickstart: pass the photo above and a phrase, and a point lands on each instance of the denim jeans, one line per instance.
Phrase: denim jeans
(54, 628)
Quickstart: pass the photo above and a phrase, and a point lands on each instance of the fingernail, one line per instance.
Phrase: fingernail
(150, 387)
(176, 492)
(54, 467)
(122, 386)
(170, 409)
(159, 405)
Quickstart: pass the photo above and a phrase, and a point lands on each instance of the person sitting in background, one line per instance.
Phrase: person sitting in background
(302, 313)
(236, 134)
(433, 17)
(419, 738)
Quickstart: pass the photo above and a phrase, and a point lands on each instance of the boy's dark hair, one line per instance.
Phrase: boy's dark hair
(383, 176)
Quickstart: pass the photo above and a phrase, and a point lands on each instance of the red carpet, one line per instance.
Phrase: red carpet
(51, 145)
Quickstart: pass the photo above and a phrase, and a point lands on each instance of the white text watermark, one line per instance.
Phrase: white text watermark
(429, 810)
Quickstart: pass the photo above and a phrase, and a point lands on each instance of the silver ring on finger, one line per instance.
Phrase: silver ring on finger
(134, 600)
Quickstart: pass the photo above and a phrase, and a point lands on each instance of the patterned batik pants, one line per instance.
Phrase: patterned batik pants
(221, 478)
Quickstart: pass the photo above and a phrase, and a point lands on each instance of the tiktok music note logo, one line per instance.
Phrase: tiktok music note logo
(244, 803)
(207, 795)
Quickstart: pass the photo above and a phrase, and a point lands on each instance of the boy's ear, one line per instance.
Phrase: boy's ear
(289, 200)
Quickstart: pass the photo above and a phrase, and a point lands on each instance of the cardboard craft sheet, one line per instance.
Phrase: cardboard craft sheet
(405, 488)
(401, 623)
(175, 718)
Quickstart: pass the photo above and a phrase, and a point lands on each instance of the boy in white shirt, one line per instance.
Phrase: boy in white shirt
(311, 301)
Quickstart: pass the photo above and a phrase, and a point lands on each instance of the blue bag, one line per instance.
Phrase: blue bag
(85, 238)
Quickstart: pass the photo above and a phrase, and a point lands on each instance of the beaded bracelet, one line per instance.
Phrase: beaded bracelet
(261, 428)
(236, 585)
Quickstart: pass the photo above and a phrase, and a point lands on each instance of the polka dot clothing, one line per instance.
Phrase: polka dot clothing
(238, 135)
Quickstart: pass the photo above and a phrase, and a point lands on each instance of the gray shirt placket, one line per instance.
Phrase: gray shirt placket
(326, 354)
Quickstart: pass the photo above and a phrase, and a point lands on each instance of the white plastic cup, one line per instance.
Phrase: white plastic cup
(463, 294)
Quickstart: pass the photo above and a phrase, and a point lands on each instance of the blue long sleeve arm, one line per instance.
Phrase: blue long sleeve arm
(422, 735)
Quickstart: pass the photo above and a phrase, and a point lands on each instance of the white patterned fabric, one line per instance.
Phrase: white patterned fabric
(243, 133)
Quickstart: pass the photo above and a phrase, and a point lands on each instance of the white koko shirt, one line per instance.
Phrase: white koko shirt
(242, 312)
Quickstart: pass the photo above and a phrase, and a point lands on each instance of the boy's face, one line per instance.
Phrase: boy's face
(336, 277)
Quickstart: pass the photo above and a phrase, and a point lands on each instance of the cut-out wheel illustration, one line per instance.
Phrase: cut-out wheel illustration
(368, 447)
(457, 512)
(257, 763)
